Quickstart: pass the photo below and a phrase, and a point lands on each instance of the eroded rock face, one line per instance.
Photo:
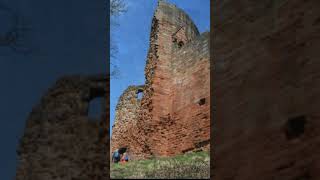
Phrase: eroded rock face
(60, 140)
(174, 116)
(266, 90)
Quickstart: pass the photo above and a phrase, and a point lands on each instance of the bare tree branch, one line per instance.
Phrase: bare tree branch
(117, 7)
(14, 35)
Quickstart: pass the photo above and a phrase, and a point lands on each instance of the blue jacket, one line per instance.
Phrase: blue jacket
(116, 155)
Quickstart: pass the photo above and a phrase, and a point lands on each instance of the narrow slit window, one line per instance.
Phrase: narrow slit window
(295, 127)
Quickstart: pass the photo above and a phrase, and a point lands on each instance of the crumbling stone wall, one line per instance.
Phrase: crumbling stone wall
(60, 140)
(191, 97)
(266, 89)
(127, 112)
(170, 120)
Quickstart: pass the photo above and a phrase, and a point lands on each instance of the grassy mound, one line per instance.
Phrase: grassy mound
(191, 165)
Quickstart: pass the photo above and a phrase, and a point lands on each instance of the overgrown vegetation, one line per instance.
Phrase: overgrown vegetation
(187, 166)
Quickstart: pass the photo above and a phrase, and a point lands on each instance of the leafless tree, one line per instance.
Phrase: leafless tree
(117, 7)
(13, 34)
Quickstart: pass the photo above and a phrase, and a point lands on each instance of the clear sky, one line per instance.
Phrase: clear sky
(66, 37)
(132, 38)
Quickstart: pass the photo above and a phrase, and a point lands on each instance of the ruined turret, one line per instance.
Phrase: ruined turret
(60, 140)
(173, 115)
(125, 124)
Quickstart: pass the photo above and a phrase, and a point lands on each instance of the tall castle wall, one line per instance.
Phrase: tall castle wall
(266, 89)
(170, 120)
(191, 98)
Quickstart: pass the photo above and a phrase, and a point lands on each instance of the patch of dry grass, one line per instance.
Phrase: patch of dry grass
(187, 166)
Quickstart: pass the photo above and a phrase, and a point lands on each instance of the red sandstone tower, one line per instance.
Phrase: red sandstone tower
(173, 115)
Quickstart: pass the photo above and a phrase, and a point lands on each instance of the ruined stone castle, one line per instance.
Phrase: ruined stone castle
(60, 140)
(173, 115)
(266, 82)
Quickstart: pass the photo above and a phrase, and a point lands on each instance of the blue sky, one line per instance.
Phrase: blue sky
(132, 38)
(67, 37)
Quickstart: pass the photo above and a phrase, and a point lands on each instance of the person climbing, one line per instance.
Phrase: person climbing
(116, 156)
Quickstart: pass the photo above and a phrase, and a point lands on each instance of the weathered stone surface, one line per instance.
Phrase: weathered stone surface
(60, 141)
(266, 89)
(127, 112)
(173, 115)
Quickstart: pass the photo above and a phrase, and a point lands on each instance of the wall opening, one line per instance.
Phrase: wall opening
(180, 44)
(202, 101)
(139, 95)
(295, 127)
(177, 43)
(122, 150)
(95, 108)
(174, 40)
(202, 143)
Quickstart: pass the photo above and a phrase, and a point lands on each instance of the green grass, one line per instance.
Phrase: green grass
(191, 165)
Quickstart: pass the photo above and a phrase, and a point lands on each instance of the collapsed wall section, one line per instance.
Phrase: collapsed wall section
(60, 140)
(124, 130)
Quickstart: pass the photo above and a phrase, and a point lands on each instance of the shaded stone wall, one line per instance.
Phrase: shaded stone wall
(60, 140)
(177, 53)
(266, 89)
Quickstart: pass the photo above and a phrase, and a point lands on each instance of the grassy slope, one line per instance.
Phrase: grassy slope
(191, 165)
